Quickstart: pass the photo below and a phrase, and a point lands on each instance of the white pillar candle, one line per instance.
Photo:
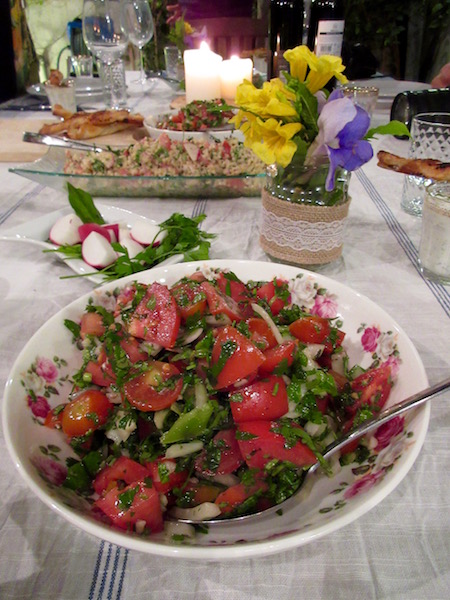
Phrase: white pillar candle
(201, 73)
(232, 73)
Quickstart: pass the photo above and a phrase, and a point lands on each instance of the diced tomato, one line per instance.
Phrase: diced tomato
(85, 413)
(279, 356)
(156, 388)
(156, 318)
(190, 299)
(237, 290)
(164, 475)
(340, 380)
(219, 303)
(275, 293)
(132, 349)
(259, 443)
(100, 373)
(226, 149)
(235, 495)
(53, 417)
(91, 324)
(371, 388)
(134, 503)
(230, 455)
(313, 329)
(233, 357)
(261, 334)
(165, 141)
(199, 492)
(123, 469)
(265, 399)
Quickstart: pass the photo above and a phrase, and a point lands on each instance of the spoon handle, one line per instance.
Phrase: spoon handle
(387, 415)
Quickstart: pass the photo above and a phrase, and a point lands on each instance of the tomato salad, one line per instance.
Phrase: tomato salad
(207, 399)
(198, 115)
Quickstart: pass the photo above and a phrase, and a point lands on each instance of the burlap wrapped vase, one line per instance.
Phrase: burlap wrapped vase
(302, 234)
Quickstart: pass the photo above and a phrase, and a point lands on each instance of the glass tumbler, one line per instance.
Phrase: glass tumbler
(434, 251)
(430, 138)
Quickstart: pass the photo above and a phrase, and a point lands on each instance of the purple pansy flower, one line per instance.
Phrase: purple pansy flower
(341, 127)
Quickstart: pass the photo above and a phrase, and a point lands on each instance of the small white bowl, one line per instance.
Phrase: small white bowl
(204, 136)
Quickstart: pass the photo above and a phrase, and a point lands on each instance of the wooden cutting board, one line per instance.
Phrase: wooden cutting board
(13, 149)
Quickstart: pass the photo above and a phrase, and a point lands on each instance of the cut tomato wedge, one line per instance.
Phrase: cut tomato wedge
(156, 388)
(265, 399)
(223, 458)
(260, 442)
(156, 318)
(233, 357)
(219, 303)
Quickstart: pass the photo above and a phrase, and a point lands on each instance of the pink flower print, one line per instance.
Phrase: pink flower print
(363, 485)
(394, 363)
(387, 431)
(46, 369)
(49, 469)
(39, 406)
(369, 339)
(325, 306)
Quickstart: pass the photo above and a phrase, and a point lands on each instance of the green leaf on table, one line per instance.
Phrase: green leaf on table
(391, 128)
(84, 206)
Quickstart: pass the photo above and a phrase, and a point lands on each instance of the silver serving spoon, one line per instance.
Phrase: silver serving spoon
(366, 427)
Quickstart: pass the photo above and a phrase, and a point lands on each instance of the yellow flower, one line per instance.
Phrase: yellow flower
(188, 29)
(272, 141)
(273, 100)
(321, 68)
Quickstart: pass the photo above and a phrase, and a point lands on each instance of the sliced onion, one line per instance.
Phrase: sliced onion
(159, 417)
(177, 450)
(338, 362)
(172, 528)
(267, 318)
(315, 429)
(202, 512)
(201, 394)
(227, 479)
(221, 319)
(187, 338)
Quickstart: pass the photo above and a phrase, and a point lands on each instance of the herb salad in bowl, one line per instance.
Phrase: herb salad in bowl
(224, 393)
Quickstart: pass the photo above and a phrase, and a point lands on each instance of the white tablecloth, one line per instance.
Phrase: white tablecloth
(397, 551)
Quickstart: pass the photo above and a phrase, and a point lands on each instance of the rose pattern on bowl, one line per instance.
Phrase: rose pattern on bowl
(45, 379)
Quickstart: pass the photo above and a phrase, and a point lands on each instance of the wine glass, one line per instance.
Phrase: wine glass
(105, 36)
(139, 24)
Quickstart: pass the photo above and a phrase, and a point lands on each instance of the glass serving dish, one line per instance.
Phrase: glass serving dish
(49, 171)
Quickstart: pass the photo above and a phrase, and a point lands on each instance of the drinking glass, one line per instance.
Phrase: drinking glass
(105, 36)
(139, 24)
(47, 22)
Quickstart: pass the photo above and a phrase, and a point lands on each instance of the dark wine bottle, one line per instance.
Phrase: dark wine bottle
(285, 32)
(407, 105)
(326, 27)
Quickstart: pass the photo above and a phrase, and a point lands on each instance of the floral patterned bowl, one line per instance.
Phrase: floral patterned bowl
(39, 380)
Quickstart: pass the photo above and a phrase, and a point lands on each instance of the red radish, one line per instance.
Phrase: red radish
(113, 230)
(146, 233)
(87, 228)
(132, 246)
(124, 233)
(65, 231)
(97, 251)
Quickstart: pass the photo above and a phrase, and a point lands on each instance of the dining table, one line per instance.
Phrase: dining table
(398, 550)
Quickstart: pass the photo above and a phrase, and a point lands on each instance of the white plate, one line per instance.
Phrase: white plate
(209, 134)
(37, 231)
(332, 503)
(85, 88)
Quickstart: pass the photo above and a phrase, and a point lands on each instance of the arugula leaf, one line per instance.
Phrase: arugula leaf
(392, 128)
(83, 205)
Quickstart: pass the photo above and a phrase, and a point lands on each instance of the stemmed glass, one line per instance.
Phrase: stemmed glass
(106, 37)
(139, 24)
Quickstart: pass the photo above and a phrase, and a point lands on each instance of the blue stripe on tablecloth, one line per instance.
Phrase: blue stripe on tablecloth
(114, 571)
(440, 292)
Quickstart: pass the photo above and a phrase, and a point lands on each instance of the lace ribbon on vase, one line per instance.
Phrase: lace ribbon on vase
(300, 233)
